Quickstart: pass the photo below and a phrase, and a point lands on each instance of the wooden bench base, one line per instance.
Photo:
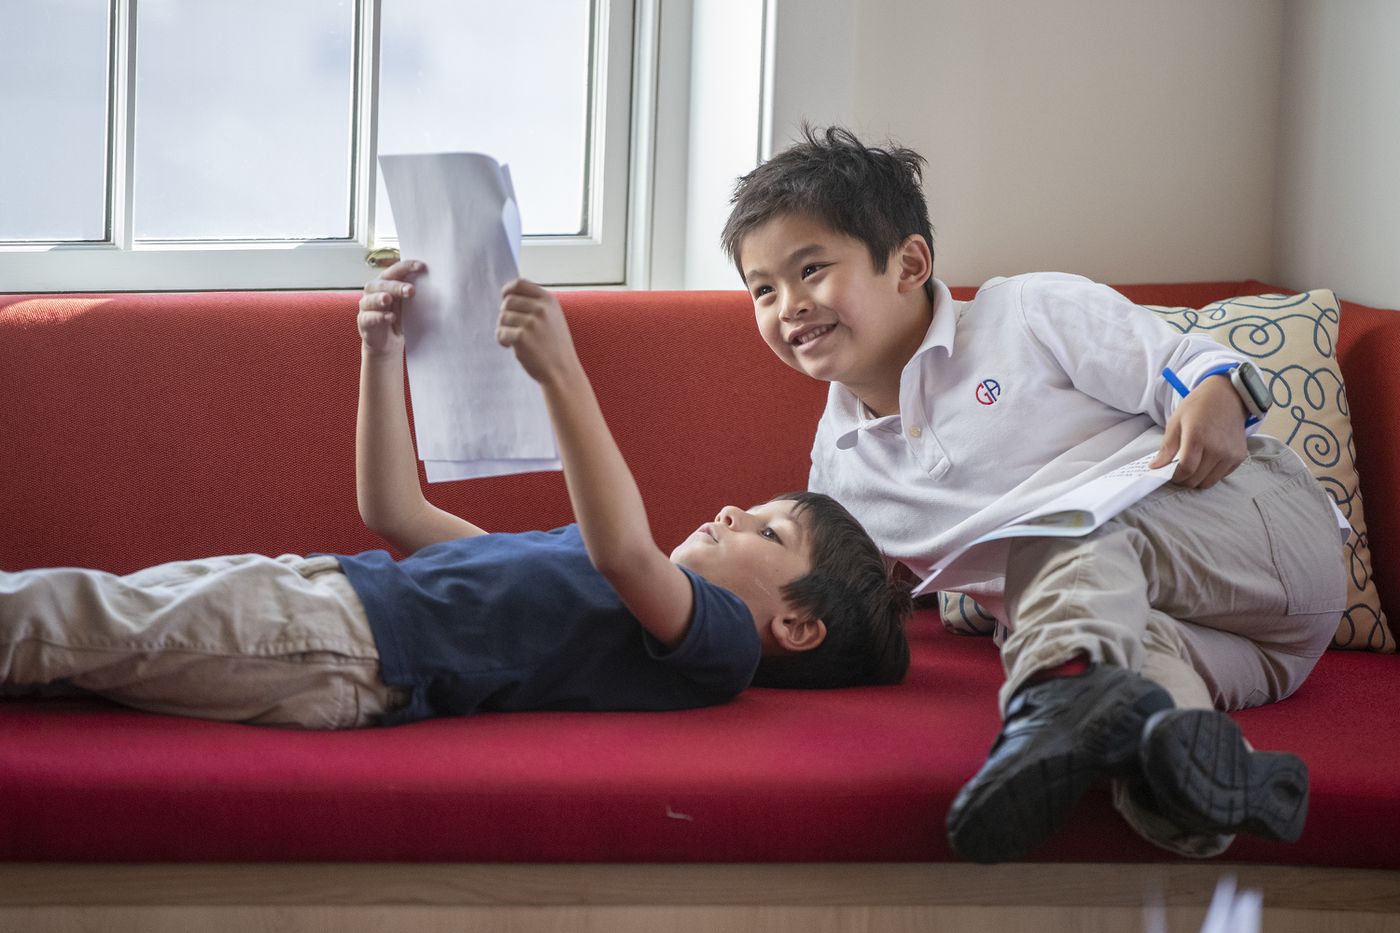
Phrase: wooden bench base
(827, 898)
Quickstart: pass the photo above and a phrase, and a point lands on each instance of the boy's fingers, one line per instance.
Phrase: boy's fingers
(514, 319)
(1224, 465)
(521, 305)
(389, 287)
(377, 302)
(1170, 443)
(376, 318)
(1222, 469)
(522, 287)
(1189, 467)
(402, 269)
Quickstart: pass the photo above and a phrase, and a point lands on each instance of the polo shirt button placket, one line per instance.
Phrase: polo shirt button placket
(929, 453)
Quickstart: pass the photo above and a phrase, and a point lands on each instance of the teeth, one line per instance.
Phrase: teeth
(812, 334)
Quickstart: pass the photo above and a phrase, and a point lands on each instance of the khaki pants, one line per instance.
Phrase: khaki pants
(274, 641)
(1226, 597)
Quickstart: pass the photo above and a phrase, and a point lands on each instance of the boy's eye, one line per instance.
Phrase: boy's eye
(762, 290)
(810, 269)
(771, 535)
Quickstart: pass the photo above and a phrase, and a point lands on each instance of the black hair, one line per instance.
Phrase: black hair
(873, 195)
(852, 590)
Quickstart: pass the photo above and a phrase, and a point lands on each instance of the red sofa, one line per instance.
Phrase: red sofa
(136, 429)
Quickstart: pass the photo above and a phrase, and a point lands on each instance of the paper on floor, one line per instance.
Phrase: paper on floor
(475, 410)
(1232, 910)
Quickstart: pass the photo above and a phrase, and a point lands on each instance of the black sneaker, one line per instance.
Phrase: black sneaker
(1059, 737)
(1204, 778)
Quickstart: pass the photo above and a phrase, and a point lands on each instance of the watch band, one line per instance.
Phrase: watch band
(1254, 413)
(1218, 370)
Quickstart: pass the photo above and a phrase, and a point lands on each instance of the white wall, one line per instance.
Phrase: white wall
(1339, 177)
(1127, 141)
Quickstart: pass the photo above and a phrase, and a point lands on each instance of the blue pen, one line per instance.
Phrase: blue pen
(1175, 382)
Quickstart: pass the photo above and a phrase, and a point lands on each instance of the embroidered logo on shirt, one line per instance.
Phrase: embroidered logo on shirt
(988, 391)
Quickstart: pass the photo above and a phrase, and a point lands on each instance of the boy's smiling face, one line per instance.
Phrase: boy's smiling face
(825, 311)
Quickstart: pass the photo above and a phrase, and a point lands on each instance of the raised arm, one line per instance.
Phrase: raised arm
(390, 498)
(611, 516)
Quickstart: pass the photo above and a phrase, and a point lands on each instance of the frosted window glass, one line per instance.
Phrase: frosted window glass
(506, 79)
(244, 119)
(53, 115)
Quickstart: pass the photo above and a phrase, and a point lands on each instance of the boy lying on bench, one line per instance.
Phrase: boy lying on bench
(591, 616)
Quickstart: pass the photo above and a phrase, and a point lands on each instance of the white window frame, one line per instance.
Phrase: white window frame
(622, 58)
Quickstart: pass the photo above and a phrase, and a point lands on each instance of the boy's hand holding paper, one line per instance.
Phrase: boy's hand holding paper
(532, 324)
(380, 319)
(475, 411)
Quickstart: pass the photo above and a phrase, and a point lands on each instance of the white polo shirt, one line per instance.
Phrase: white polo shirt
(1041, 382)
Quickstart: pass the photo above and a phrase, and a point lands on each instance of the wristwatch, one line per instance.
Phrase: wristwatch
(1252, 390)
(1250, 387)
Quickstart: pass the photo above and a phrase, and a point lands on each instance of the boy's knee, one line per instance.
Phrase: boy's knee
(1289, 660)
(1314, 636)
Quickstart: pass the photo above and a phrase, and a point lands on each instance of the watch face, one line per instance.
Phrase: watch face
(1254, 385)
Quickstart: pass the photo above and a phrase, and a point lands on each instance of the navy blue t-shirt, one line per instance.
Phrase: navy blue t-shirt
(525, 622)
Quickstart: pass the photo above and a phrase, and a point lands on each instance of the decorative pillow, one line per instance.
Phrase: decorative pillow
(964, 615)
(1292, 339)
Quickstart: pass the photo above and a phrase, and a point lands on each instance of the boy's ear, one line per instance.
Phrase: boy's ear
(915, 262)
(796, 634)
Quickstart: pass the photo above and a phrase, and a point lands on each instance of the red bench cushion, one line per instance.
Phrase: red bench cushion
(849, 775)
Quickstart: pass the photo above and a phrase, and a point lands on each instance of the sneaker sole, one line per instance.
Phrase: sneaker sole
(1205, 779)
(1001, 816)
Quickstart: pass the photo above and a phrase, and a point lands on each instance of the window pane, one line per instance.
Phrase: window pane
(506, 79)
(243, 119)
(53, 110)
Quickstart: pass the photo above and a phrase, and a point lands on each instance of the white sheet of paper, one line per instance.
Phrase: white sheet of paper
(1105, 496)
(475, 410)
